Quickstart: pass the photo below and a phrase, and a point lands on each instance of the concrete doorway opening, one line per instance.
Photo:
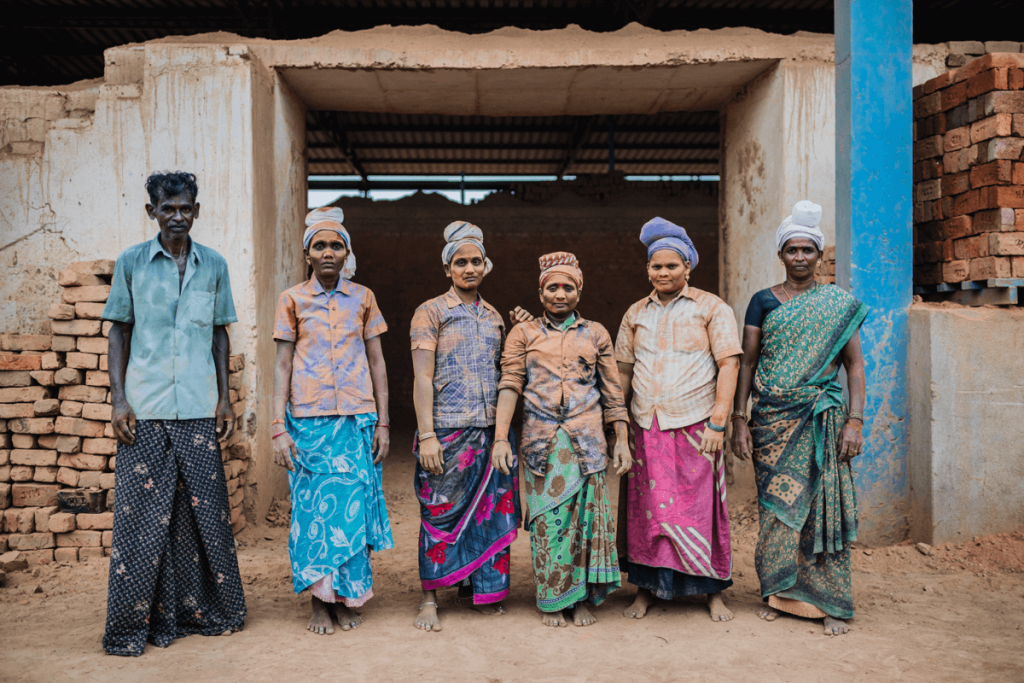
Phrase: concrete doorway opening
(576, 183)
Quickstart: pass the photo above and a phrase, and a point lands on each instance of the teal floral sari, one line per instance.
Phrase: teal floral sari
(806, 497)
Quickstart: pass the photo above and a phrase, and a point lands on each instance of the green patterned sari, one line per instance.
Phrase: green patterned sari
(806, 497)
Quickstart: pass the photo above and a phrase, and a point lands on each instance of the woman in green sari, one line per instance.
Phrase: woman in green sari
(800, 432)
(563, 365)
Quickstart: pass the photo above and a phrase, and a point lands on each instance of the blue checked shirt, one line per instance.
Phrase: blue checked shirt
(466, 341)
(170, 374)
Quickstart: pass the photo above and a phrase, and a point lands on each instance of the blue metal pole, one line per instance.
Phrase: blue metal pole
(874, 213)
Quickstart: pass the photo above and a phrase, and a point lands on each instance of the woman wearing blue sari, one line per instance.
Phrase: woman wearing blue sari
(801, 433)
(330, 426)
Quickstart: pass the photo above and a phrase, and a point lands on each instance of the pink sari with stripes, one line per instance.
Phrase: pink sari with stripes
(676, 512)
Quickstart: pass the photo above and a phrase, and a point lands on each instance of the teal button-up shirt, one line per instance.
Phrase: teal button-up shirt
(170, 374)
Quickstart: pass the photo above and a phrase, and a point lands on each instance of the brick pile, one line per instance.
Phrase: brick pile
(963, 51)
(55, 430)
(969, 173)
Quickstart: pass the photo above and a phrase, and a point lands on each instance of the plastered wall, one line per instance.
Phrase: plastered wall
(966, 421)
(74, 189)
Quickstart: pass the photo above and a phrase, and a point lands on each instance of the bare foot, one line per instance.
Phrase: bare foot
(643, 602)
(768, 614)
(835, 627)
(554, 619)
(490, 610)
(427, 619)
(320, 621)
(347, 619)
(581, 616)
(716, 605)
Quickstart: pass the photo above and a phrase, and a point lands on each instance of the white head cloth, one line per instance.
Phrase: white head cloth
(329, 218)
(802, 223)
(458, 235)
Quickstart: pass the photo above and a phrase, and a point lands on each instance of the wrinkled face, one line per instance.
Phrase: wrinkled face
(467, 267)
(327, 253)
(800, 257)
(559, 295)
(174, 214)
(667, 271)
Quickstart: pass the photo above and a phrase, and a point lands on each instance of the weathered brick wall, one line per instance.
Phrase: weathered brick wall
(55, 430)
(968, 172)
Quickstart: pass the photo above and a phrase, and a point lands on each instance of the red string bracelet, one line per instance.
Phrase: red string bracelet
(277, 435)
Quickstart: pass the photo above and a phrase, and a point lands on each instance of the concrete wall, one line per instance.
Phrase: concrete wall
(966, 421)
(74, 189)
(398, 245)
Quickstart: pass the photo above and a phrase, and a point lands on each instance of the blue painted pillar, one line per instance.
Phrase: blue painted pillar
(874, 213)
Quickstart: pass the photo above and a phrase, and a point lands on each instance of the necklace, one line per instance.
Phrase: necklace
(792, 296)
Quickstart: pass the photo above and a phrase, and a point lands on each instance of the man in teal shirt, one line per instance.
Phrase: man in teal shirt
(173, 568)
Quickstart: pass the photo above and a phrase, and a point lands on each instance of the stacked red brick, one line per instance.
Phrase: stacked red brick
(826, 274)
(55, 429)
(969, 173)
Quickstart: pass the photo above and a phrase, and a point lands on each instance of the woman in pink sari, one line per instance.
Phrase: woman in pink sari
(678, 353)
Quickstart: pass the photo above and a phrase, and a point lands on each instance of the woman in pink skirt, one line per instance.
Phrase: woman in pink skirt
(678, 353)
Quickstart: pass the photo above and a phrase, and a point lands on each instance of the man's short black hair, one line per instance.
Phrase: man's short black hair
(168, 184)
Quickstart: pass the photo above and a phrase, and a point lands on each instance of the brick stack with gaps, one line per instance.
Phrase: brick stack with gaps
(969, 183)
(58, 454)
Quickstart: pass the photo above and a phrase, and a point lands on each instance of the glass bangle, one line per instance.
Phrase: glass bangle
(715, 428)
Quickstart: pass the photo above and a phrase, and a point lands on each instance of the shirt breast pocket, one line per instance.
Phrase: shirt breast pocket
(689, 336)
(200, 308)
(586, 362)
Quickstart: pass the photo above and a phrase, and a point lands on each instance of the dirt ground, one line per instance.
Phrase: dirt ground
(953, 616)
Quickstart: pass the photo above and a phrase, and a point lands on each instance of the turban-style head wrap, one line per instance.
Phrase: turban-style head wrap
(329, 218)
(802, 223)
(560, 263)
(458, 235)
(659, 234)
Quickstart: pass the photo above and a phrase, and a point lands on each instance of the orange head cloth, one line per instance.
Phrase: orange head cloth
(560, 263)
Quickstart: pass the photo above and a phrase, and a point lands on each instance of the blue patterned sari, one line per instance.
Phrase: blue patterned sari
(338, 510)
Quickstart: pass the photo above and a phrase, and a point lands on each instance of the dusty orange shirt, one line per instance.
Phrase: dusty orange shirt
(675, 350)
(567, 379)
(330, 372)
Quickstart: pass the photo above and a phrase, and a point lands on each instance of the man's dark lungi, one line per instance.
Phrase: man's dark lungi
(173, 568)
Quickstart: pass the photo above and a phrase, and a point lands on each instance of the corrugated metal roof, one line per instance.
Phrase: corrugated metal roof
(344, 143)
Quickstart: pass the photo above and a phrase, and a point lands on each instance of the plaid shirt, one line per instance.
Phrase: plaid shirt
(466, 341)
(675, 350)
(330, 372)
(567, 379)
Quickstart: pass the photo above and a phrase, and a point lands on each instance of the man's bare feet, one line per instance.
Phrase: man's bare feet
(320, 621)
(427, 619)
(716, 605)
(768, 614)
(554, 619)
(581, 616)
(643, 602)
(835, 627)
(347, 619)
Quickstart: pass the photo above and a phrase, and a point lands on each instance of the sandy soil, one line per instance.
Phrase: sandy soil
(953, 616)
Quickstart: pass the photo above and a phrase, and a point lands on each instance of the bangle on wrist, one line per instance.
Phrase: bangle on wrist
(713, 427)
(502, 441)
(278, 421)
(855, 416)
(384, 426)
(277, 435)
(738, 414)
(428, 435)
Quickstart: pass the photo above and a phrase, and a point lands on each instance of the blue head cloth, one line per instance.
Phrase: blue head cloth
(658, 234)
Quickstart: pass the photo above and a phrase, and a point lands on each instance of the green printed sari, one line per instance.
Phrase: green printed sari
(572, 533)
(806, 497)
